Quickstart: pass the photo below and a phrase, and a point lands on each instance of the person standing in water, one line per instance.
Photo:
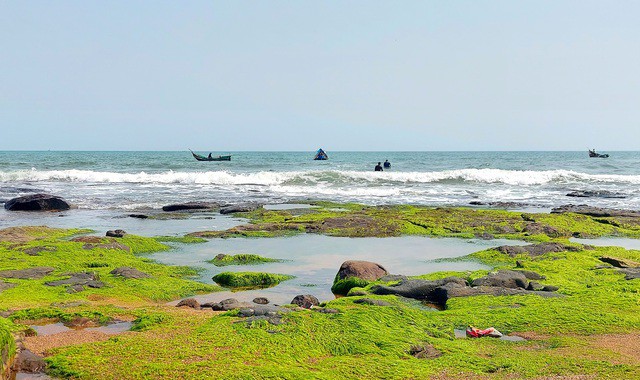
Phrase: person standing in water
(387, 164)
(378, 168)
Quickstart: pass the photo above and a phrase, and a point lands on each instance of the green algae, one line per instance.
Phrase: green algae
(241, 259)
(180, 239)
(249, 279)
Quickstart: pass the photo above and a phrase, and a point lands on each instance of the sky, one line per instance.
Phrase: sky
(298, 75)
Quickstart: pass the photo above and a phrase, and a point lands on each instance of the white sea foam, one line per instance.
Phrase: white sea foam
(336, 177)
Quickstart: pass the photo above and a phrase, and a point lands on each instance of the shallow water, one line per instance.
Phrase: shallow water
(626, 243)
(315, 260)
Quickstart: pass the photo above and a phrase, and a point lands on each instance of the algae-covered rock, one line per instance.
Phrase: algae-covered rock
(25, 274)
(189, 302)
(503, 278)
(365, 270)
(87, 279)
(240, 259)
(37, 202)
(372, 302)
(534, 250)
(250, 279)
(128, 272)
(305, 300)
(242, 207)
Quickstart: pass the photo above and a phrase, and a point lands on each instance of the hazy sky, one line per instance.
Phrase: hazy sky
(297, 75)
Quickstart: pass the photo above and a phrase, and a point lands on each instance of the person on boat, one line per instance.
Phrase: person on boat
(378, 168)
(209, 156)
(387, 164)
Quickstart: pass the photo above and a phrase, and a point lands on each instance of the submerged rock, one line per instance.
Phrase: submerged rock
(595, 194)
(37, 202)
(595, 211)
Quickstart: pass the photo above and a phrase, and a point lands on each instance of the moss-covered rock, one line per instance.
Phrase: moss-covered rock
(250, 279)
(240, 259)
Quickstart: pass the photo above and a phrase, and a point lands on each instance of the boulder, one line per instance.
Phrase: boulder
(242, 207)
(365, 270)
(27, 274)
(260, 300)
(191, 206)
(37, 202)
(416, 289)
(630, 273)
(504, 279)
(306, 301)
(443, 293)
(116, 233)
(189, 302)
(128, 272)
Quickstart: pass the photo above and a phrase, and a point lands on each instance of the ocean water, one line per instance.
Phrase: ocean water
(148, 180)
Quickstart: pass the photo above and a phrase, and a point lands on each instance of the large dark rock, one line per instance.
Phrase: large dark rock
(365, 270)
(229, 304)
(630, 273)
(242, 207)
(261, 300)
(85, 279)
(191, 206)
(27, 274)
(128, 272)
(306, 301)
(37, 202)
(534, 250)
(503, 278)
(417, 289)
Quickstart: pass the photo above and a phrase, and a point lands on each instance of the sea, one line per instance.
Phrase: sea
(139, 181)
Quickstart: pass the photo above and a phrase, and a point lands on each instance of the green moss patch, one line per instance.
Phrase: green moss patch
(241, 259)
(250, 279)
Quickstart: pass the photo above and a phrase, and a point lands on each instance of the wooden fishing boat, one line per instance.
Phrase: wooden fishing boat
(592, 153)
(210, 158)
(321, 155)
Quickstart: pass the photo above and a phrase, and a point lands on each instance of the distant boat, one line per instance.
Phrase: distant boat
(592, 153)
(321, 155)
(210, 158)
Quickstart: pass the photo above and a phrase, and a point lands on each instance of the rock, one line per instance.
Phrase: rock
(355, 292)
(595, 194)
(128, 272)
(535, 286)
(424, 351)
(393, 277)
(365, 270)
(504, 279)
(35, 251)
(306, 301)
(6, 285)
(260, 310)
(92, 242)
(595, 211)
(485, 236)
(81, 323)
(189, 302)
(326, 310)
(550, 288)
(220, 256)
(27, 274)
(618, 263)
(443, 293)
(534, 250)
(27, 361)
(532, 275)
(138, 216)
(191, 206)
(75, 289)
(542, 229)
(37, 202)
(630, 273)
(116, 233)
(242, 207)
(261, 300)
(369, 301)
(416, 289)
(87, 279)
(229, 304)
